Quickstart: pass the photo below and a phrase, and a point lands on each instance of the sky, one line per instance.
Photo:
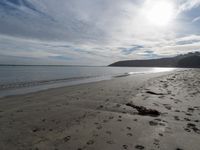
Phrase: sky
(96, 32)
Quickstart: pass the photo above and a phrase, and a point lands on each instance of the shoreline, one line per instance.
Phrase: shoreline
(113, 114)
(13, 89)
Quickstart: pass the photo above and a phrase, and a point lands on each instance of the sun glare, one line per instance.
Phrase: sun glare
(159, 13)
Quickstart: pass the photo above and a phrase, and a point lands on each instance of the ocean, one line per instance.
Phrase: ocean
(16, 80)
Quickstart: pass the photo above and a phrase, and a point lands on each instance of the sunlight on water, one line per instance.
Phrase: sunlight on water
(162, 69)
(153, 70)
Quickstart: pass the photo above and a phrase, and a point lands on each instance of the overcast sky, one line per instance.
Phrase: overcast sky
(96, 32)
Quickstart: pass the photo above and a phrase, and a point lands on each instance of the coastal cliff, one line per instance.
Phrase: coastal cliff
(190, 60)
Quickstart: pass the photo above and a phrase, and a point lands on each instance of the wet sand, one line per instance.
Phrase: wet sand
(159, 111)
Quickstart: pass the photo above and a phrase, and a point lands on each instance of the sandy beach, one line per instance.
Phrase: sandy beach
(158, 111)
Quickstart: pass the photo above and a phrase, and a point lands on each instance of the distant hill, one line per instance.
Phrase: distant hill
(190, 60)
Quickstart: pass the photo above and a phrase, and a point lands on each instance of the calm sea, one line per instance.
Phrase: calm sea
(24, 79)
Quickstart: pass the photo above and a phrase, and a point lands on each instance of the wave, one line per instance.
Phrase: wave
(7, 86)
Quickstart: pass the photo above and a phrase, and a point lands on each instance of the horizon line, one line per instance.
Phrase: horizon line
(51, 65)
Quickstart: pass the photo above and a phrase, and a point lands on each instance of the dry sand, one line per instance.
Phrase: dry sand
(158, 111)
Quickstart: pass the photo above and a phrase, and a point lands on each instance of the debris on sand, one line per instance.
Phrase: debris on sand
(154, 93)
(144, 111)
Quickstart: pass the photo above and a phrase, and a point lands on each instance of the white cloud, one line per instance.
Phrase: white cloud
(47, 52)
(196, 19)
(91, 31)
(185, 5)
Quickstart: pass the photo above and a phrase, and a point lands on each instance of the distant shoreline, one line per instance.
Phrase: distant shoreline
(190, 60)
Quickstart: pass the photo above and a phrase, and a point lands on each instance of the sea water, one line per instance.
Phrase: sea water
(25, 79)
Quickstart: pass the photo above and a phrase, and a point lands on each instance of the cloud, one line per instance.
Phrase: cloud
(89, 32)
(196, 19)
(179, 46)
(45, 52)
(127, 51)
(188, 40)
(185, 5)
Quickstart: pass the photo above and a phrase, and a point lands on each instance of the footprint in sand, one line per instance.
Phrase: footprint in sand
(176, 110)
(191, 110)
(167, 106)
(188, 114)
(129, 128)
(119, 120)
(104, 121)
(101, 106)
(139, 147)
(176, 118)
(156, 104)
(125, 146)
(193, 127)
(118, 105)
(186, 129)
(90, 142)
(110, 142)
(96, 123)
(50, 130)
(43, 120)
(111, 117)
(67, 138)
(36, 129)
(158, 122)
(107, 100)
(156, 142)
(108, 132)
(95, 135)
(153, 123)
(99, 127)
(187, 119)
(20, 110)
(129, 134)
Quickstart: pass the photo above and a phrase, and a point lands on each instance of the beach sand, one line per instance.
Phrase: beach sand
(159, 111)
